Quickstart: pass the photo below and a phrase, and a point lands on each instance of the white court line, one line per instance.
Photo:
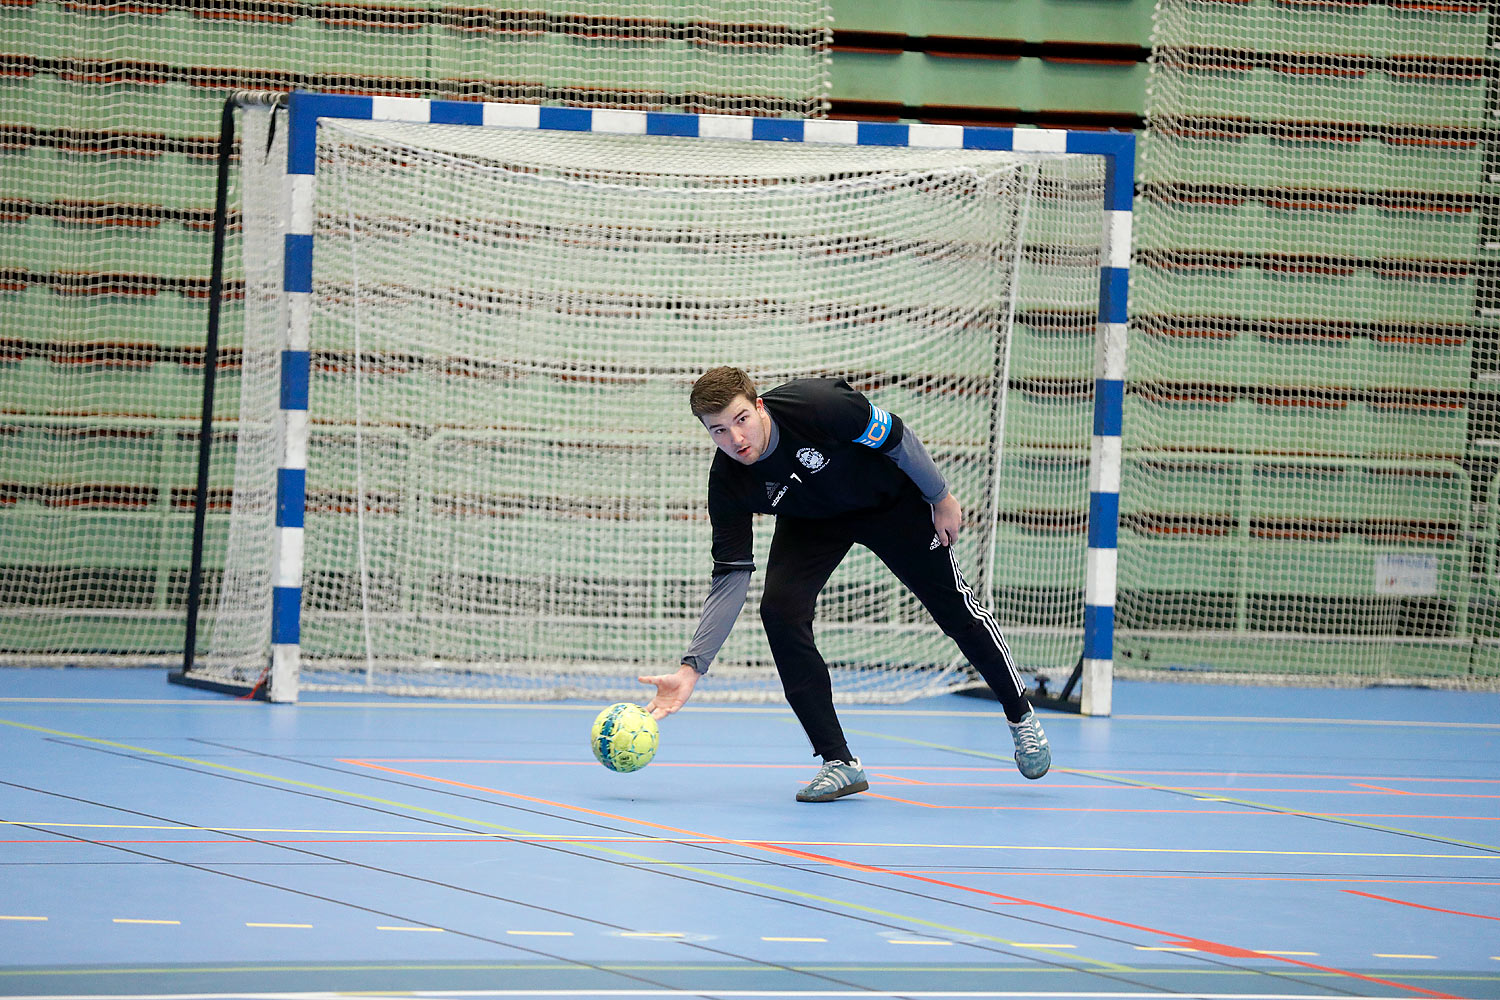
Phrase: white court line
(700, 993)
(652, 934)
(727, 709)
(639, 839)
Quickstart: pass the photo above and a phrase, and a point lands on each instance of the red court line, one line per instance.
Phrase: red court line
(645, 840)
(578, 763)
(1176, 940)
(1172, 939)
(1398, 791)
(1305, 775)
(1419, 906)
(1242, 811)
(1009, 873)
(1368, 789)
(904, 802)
(947, 767)
(233, 839)
(546, 802)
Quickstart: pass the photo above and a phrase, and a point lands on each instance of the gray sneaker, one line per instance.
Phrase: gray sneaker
(1033, 757)
(833, 780)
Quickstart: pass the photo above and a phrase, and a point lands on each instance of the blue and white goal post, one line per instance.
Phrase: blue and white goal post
(308, 112)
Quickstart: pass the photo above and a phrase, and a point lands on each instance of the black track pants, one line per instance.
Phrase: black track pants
(804, 554)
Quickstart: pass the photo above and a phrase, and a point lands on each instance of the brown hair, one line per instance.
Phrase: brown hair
(717, 388)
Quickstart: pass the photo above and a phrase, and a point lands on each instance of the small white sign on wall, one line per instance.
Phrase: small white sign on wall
(1407, 574)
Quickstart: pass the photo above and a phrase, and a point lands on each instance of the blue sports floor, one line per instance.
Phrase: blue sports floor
(1205, 841)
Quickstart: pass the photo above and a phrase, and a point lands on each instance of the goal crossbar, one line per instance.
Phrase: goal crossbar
(307, 110)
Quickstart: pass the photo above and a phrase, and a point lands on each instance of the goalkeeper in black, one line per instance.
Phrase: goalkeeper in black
(835, 470)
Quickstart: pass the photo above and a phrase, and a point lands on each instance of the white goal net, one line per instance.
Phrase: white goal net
(108, 112)
(1310, 493)
(505, 490)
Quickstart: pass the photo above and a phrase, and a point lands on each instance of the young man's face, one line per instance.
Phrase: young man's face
(741, 429)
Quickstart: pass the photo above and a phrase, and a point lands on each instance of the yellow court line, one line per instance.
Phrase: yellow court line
(1106, 776)
(433, 834)
(8, 917)
(718, 876)
(133, 920)
(116, 701)
(888, 772)
(526, 706)
(1288, 720)
(1383, 954)
(700, 709)
(715, 875)
(427, 968)
(643, 839)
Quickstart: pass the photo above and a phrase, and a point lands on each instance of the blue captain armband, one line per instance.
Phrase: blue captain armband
(878, 430)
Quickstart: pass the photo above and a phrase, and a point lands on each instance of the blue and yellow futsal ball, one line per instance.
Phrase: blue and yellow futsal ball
(624, 737)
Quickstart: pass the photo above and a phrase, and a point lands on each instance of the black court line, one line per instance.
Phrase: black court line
(647, 867)
(1243, 803)
(650, 867)
(142, 755)
(335, 860)
(1198, 956)
(313, 895)
(1431, 838)
(839, 875)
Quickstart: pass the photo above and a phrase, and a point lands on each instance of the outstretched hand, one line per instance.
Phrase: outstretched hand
(672, 690)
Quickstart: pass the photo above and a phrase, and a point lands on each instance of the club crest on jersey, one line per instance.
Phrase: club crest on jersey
(812, 459)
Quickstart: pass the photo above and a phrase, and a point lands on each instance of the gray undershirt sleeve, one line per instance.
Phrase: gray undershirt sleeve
(911, 457)
(726, 596)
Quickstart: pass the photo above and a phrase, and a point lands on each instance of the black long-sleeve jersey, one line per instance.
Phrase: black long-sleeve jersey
(830, 459)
